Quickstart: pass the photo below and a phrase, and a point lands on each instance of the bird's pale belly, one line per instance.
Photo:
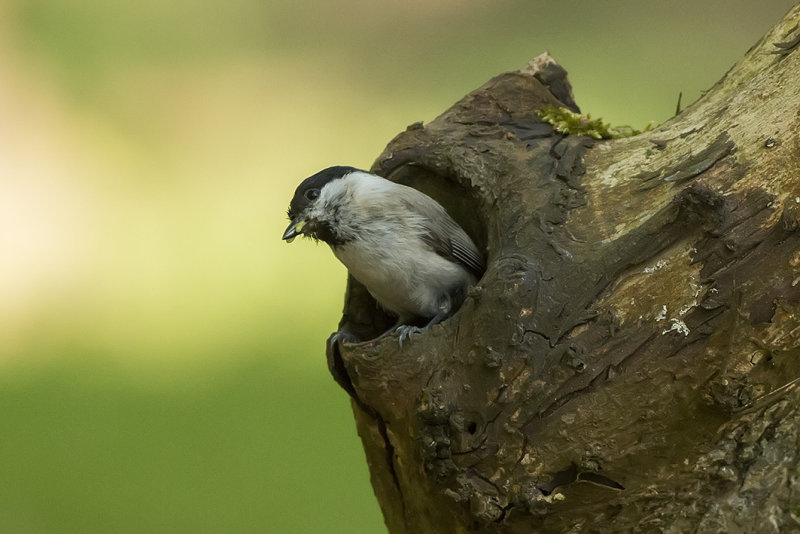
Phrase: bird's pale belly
(409, 283)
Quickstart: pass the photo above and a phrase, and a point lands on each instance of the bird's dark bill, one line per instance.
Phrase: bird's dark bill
(294, 229)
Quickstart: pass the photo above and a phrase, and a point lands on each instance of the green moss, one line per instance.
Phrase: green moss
(570, 123)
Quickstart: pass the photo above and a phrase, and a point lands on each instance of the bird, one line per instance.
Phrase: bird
(398, 242)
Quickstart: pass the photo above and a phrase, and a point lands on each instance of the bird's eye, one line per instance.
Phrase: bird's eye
(312, 194)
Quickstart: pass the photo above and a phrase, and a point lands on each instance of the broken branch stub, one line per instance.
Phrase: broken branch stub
(628, 360)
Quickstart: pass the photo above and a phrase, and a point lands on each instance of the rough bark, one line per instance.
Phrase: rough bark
(629, 360)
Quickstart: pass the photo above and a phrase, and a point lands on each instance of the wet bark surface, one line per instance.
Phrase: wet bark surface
(629, 360)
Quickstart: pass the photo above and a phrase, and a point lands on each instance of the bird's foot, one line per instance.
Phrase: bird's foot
(344, 337)
(407, 331)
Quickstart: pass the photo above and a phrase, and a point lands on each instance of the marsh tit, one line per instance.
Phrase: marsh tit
(411, 256)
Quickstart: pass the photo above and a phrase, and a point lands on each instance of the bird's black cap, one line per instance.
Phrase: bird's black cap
(300, 201)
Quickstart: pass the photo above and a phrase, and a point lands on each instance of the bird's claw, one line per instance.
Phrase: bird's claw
(343, 337)
(407, 331)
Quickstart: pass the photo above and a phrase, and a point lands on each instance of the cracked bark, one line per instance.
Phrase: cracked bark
(629, 360)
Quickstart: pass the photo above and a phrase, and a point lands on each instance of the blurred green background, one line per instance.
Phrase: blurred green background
(161, 350)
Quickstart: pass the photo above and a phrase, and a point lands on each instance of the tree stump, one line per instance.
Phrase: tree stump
(629, 360)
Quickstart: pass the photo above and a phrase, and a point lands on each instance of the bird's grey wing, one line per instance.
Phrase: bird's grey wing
(445, 236)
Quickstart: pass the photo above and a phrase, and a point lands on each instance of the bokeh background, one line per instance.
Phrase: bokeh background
(161, 350)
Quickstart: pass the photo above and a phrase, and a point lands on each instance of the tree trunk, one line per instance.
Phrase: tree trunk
(629, 360)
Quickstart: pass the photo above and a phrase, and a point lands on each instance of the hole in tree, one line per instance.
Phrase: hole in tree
(460, 203)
